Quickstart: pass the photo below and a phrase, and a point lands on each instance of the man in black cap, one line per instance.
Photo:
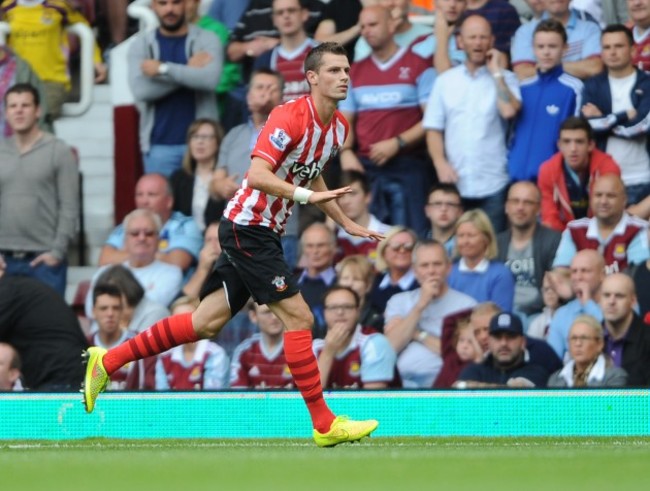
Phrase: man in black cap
(506, 364)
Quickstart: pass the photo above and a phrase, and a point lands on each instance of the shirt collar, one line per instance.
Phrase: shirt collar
(596, 374)
(328, 276)
(573, 19)
(592, 228)
(404, 282)
(481, 267)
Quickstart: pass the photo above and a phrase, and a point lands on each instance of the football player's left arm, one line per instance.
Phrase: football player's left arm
(332, 209)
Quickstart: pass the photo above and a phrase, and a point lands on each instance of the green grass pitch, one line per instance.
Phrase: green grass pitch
(396, 464)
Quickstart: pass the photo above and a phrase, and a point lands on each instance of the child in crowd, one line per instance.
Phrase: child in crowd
(466, 350)
(539, 326)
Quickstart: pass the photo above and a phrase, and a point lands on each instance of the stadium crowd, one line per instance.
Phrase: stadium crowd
(503, 152)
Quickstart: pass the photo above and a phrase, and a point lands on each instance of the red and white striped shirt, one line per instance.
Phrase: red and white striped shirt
(298, 146)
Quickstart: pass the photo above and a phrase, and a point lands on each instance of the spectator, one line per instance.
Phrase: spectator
(527, 248)
(14, 70)
(355, 205)
(340, 23)
(405, 31)
(503, 18)
(588, 366)
(641, 276)
(463, 349)
(39, 194)
(582, 56)
(180, 238)
(506, 364)
(202, 365)
(209, 254)
(547, 99)
(259, 362)
(477, 273)
(444, 208)
(44, 330)
(586, 275)
(288, 57)
(357, 273)
(565, 180)
(38, 36)
(465, 121)
(173, 72)
(138, 312)
(191, 183)
(318, 247)
(161, 281)
(414, 318)
(10, 376)
(449, 14)
(621, 239)
(617, 103)
(540, 325)
(640, 19)
(389, 136)
(627, 337)
(351, 355)
(108, 306)
(394, 258)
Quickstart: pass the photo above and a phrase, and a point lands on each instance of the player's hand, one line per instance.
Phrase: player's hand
(325, 196)
(350, 161)
(359, 231)
(150, 67)
(200, 59)
(446, 173)
(590, 110)
(382, 151)
(46, 258)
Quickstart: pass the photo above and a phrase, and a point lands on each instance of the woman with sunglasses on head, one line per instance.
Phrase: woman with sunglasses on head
(191, 183)
(476, 273)
(394, 258)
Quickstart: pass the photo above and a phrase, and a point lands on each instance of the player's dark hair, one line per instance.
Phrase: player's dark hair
(349, 177)
(551, 25)
(314, 58)
(338, 288)
(109, 289)
(619, 28)
(121, 277)
(576, 123)
(23, 88)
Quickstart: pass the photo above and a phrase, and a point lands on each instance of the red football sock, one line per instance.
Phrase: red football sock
(163, 335)
(304, 368)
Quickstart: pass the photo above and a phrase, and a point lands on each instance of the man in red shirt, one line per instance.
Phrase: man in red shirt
(296, 143)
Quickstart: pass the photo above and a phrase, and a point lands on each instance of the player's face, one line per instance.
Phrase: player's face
(506, 347)
(549, 49)
(355, 204)
(471, 242)
(170, 13)
(203, 144)
(576, 148)
(341, 310)
(522, 205)
(451, 9)
(288, 16)
(376, 27)
(556, 7)
(398, 252)
(141, 240)
(584, 344)
(608, 199)
(21, 112)
(443, 209)
(476, 40)
(267, 321)
(639, 12)
(332, 77)
(617, 299)
(481, 325)
(430, 264)
(107, 311)
(616, 50)
(151, 194)
(353, 279)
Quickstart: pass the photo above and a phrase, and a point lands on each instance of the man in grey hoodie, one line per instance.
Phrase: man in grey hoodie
(173, 71)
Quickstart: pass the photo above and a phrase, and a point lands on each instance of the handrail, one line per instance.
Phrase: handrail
(87, 70)
(141, 10)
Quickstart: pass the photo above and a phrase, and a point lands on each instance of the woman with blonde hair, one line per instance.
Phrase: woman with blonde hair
(394, 258)
(476, 273)
(191, 183)
(588, 366)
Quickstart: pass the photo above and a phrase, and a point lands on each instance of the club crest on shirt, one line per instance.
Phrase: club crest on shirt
(355, 369)
(279, 139)
(279, 283)
(619, 251)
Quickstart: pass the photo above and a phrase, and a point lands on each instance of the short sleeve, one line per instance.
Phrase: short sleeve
(591, 43)
(512, 83)
(377, 360)
(522, 45)
(434, 113)
(278, 136)
(565, 251)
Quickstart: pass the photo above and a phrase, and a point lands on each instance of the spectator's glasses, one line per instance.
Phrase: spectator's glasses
(290, 11)
(444, 204)
(348, 307)
(147, 233)
(408, 247)
(582, 339)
